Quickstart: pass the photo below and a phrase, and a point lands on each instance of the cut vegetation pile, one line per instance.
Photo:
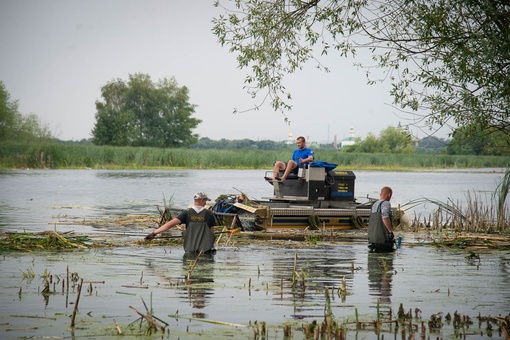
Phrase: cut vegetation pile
(47, 240)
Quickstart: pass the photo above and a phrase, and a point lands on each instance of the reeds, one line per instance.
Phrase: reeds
(166, 213)
(151, 319)
(51, 155)
(501, 195)
(480, 213)
(98, 157)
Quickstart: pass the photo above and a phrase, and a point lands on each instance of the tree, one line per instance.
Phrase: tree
(8, 113)
(29, 128)
(142, 113)
(477, 141)
(396, 140)
(15, 126)
(391, 140)
(207, 143)
(448, 60)
(432, 145)
(370, 144)
(431, 142)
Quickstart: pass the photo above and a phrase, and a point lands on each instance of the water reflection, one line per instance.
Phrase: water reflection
(219, 286)
(303, 275)
(199, 275)
(380, 275)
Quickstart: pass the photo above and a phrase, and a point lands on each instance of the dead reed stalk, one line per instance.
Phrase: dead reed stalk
(119, 331)
(76, 303)
(149, 319)
(192, 268)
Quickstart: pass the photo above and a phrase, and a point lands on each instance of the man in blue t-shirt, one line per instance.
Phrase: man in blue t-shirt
(301, 156)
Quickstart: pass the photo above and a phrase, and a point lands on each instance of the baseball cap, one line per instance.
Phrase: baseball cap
(201, 196)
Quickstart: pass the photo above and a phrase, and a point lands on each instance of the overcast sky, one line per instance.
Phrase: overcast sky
(57, 54)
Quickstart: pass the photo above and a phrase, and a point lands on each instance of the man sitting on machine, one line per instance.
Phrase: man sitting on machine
(301, 157)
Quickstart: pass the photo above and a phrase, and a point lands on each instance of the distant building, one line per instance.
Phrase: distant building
(351, 140)
(290, 139)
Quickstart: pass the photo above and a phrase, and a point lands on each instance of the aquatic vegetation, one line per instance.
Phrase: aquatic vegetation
(166, 213)
(153, 323)
(473, 241)
(478, 215)
(48, 240)
(314, 222)
(29, 274)
(501, 195)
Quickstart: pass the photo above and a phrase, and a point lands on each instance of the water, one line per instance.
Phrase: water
(247, 284)
(32, 200)
(240, 284)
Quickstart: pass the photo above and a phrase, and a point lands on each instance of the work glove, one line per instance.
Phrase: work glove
(391, 236)
(150, 237)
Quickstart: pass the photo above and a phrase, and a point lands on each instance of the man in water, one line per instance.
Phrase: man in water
(301, 156)
(380, 227)
(199, 221)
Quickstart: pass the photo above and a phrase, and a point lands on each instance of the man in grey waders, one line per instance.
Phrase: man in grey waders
(199, 221)
(380, 229)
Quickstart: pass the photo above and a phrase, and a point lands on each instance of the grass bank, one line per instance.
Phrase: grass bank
(61, 156)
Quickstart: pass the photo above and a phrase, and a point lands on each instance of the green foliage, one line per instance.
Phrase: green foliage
(432, 142)
(476, 140)
(142, 113)
(8, 112)
(501, 195)
(15, 126)
(448, 60)
(391, 140)
(432, 145)
(29, 129)
(29, 275)
(207, 143)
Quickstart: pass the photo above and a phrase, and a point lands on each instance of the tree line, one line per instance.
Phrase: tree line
(139, 112)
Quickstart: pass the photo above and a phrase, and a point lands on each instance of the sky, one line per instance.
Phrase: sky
(57, 54)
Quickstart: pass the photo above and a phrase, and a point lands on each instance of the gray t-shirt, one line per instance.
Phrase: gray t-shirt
(385, 208)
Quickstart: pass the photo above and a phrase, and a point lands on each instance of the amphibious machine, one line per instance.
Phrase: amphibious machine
(317, 197)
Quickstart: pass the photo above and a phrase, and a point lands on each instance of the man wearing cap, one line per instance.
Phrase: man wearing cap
(199, 233)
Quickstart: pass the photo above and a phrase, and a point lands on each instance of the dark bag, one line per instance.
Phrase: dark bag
(378, 235)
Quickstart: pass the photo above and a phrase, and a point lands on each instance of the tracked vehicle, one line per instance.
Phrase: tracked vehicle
(317, 197)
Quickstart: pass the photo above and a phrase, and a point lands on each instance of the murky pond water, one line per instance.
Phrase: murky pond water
(238, 285)
(33, 199)
(246, 284)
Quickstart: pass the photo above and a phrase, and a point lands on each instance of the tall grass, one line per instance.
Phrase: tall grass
(501, 195)
(55, 156)
(478, 214)
(399, 161)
